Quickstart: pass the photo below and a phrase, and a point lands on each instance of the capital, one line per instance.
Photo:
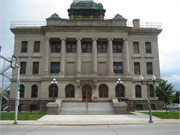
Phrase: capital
(46, 38)
(110, 39)
(63, 38)
(78, 38)
(125, 39)
(94, 38)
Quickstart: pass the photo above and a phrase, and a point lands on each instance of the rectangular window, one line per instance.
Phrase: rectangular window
(55, 67)
(148, 47)
(149, 68)
(135, 47)
(117, 47)
(23, 68)
(118, 67)
(71, 47)
(86, 47)
(33, 107)
(136, 68)
(55, 46)
(35, 67)
(36, 46)
(24, 46)
(102, 47)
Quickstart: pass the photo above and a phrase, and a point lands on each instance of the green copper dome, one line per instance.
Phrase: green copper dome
(86, 5)
(86, 10)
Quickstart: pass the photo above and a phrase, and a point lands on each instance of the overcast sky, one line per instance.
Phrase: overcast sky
(166, 12)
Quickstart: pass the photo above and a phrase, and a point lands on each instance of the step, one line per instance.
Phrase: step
(86, 108)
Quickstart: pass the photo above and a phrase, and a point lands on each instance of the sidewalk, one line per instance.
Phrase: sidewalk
(139, 118)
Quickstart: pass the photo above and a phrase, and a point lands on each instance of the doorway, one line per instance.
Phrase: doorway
(86, 94)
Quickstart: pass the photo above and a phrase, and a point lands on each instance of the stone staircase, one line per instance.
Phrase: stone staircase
(98, 108)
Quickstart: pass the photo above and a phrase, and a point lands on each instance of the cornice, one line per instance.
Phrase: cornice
(43, 29)
(85, 28)
(145, 31)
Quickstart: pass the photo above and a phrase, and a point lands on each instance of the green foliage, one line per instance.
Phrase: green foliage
(130, 113)
(165, 91)
(21, 116)
(163, 115)
(176, 97)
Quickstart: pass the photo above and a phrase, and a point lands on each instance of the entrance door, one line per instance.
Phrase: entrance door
(86, 94)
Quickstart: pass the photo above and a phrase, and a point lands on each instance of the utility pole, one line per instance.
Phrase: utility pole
(13, 65)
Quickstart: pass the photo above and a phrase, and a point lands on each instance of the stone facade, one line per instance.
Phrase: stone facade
(80, 69)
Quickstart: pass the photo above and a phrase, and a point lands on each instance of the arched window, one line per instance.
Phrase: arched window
(121, 89)
(34, 91)
(51, 88)
(138, 91)
(151, 87)
(22, 89)
(70, 91)
(103, 91)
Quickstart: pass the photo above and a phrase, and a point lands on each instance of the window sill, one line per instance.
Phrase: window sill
(23, 56)
(136, 56)
(148, 56)
(36, 56)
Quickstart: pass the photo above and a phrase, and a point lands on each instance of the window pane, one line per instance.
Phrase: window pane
(23, 68)
(136, 68)
(55, 67)
(35, 67)
(148, 47)
(37, 46)
(24, 46)
(149, 68)
(103, 91)
(135, 47)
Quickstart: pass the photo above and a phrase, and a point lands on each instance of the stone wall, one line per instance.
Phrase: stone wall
(41, 105)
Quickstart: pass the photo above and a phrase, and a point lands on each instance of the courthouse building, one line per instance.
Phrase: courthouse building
(86, 54)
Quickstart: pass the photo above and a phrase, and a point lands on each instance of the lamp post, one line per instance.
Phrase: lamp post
(149, 100)
(119, 82)
(54, 83)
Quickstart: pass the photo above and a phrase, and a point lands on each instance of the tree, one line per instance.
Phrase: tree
(176, 97)
(165, 92)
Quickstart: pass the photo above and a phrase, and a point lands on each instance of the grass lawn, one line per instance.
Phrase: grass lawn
(21, 115)
(163, 115)
(130, 113)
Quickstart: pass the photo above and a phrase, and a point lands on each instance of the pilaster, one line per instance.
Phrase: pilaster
(94, 55)
(46, 56)
(126, 57)
(110, 56)
(63, 53)
(78, 54)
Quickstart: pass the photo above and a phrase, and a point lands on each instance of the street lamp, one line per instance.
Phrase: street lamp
(119, 82)
(54, 83)
(149, 100)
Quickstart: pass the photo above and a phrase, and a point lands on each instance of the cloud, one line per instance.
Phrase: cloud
(173, 78)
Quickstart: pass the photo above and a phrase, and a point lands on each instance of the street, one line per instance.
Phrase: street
(146, 129)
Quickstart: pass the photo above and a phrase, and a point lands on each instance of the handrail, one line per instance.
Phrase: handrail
(15, 24)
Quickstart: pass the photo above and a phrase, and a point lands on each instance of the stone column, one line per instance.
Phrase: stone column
(125, 57)
(110, 56)
(46, 56)
(63, 55)
(78, 56)
(94, 55)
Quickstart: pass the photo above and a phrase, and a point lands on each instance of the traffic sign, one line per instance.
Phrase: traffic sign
(19, 82)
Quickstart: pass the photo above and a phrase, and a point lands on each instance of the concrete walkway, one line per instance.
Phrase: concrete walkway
(139, 118)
